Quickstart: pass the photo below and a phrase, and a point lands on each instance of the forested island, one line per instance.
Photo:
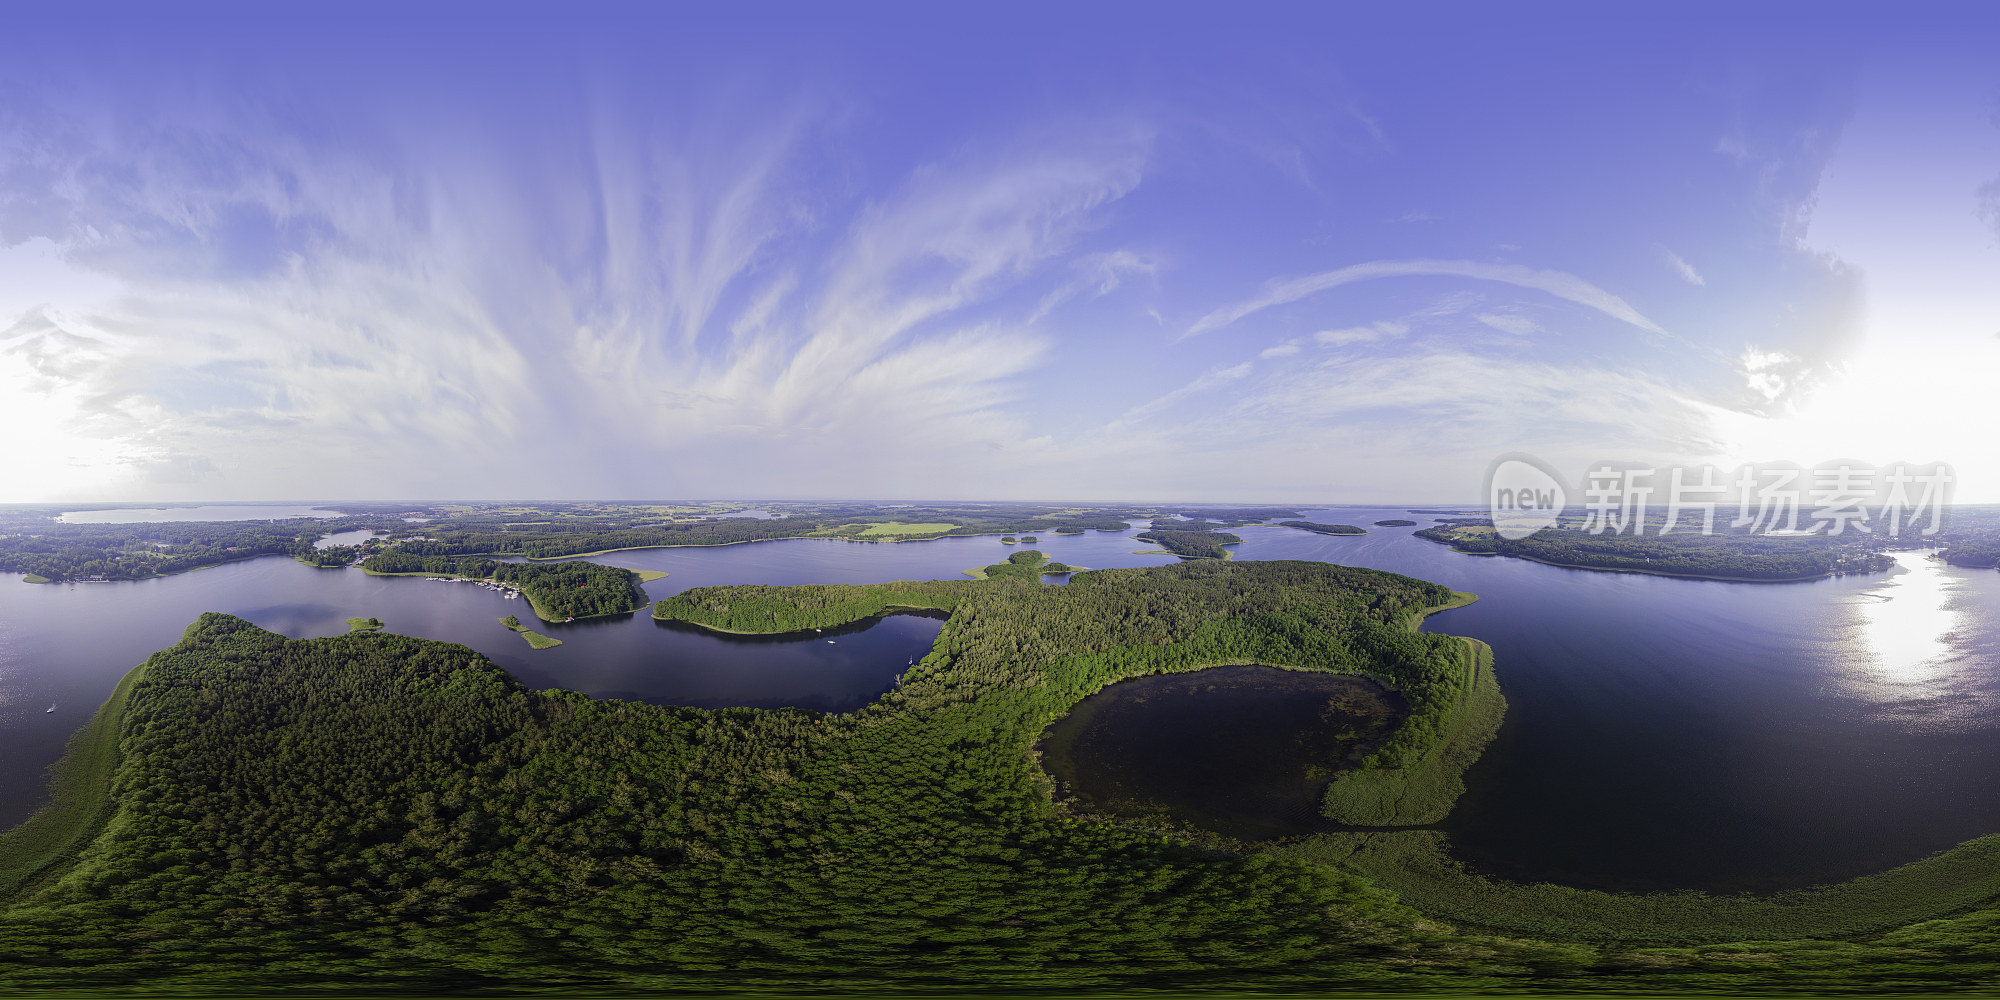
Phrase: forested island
(557, 591)
(373, 810)
(1192, 544)
(1027, 564)
(1722, 556)
(1325, 529)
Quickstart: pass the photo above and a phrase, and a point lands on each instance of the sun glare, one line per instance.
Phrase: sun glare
(1885, 406)
(46, 456)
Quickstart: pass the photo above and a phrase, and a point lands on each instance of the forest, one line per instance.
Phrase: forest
(1733, 556)
(1192, 544)
(557, 591)
(1975, 547)
(1326, 529)
(58, 552)
(382, 811)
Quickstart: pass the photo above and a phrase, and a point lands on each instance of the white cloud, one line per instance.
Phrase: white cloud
(440, 324)
(1509, 323)
(1765, 371)
(1683, 268)
(1284, 350)
(1210, 379)
(1375, 332)
(1097, 274)
(1557, 283)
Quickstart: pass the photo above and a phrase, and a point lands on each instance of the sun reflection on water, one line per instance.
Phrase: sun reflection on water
(1906, 624)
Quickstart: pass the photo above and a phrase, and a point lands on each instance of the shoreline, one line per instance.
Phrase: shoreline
(80, 792)
(893, 609)
(1656, 572)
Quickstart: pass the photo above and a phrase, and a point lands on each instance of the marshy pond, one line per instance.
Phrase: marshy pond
(1244, 751)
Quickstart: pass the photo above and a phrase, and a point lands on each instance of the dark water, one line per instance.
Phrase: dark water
(1244, 751)
(1662, 733)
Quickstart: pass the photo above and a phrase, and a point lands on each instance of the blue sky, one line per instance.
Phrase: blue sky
(1315, 252)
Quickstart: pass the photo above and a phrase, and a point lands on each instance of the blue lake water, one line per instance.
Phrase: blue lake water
(1662, 733)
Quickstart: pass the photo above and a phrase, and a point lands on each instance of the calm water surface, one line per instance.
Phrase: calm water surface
(1245, 750)
(1662, 733)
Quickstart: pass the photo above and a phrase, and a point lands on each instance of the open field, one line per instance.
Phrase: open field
(898, 528)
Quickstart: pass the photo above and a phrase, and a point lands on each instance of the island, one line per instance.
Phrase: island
(535, 639)
(1733, 556)
(1192, 544)
(1326, 529)
(557, 591)
(1027, 564)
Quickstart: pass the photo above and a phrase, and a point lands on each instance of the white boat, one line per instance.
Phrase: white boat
(829, 642)
(51, 709)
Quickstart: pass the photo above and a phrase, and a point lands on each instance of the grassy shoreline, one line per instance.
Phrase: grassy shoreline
(1416, 866)
(48, 842)
(887, 610)
(1426, 792)
(535, 639)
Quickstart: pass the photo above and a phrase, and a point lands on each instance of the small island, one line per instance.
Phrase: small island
(1192, 544)
(1396, 522)
(1327, 529)
(1027, 564)
(536, 640)
(364, 625)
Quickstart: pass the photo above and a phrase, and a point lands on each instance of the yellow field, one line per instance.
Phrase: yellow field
(900, 528)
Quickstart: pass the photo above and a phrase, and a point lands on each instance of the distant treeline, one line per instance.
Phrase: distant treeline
(61, 552)
(1739, 556)
(540, 542)
(1974, 548)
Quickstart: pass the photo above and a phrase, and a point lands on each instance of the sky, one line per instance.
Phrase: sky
(1326, 252)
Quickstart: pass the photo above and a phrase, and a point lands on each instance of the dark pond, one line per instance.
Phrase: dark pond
(1661, 734)
(1244, 751)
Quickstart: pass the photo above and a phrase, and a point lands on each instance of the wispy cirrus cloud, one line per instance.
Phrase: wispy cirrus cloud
(1558, 283)
(439, 321)
(1683, 268)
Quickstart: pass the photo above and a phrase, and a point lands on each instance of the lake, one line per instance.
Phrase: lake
(1662, 733)
(1244, 750)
